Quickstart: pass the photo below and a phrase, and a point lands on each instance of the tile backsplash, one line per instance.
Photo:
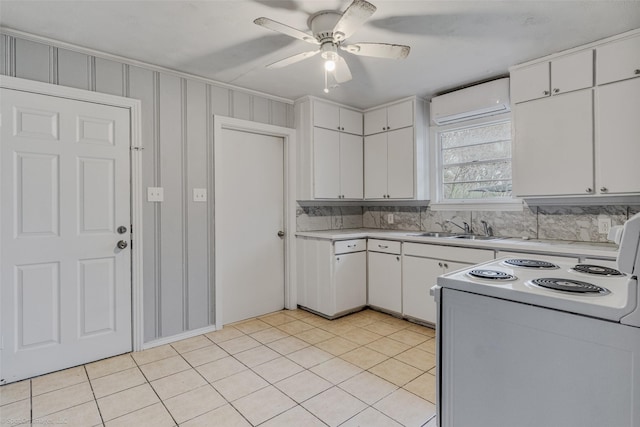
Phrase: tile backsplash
(572, 223)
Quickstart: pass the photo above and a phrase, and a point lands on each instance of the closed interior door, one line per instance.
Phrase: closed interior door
(249, 213)
(65, 283)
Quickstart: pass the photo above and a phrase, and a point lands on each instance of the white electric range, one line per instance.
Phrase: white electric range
(529, 342)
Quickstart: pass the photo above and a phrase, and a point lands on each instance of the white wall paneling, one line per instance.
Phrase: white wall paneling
(74, 69)
(176, 131)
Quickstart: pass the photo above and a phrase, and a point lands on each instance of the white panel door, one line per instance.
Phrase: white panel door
(553, 147)
(418, 277)
(326, 164)
(617, 130)
(400, 164)
(375, 166)
(384, 281)
(249, 213)
(351, 166)
(65, 284)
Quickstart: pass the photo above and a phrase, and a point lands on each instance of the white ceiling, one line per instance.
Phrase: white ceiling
(453, 43)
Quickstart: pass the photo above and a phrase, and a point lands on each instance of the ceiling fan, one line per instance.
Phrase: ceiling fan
(330, 29)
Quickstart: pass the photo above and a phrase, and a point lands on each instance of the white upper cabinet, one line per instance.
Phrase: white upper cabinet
(334, 117)
(581, 139)
(553, 147)
(395, 116)
(334, 163)
(617, 133)
(337, 165)
(547, 78)
(395, 165)
(618, 60)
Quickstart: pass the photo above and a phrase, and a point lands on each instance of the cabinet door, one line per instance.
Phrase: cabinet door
(350, 276)
(530, 82)
(553, 149)
(351, 166)
(375, 121)
(618, 60)
(350, 121)
(385, 281)
(375, 166)
(418, 277)
(400, 163)
(572, 72)
(617, 143)
(400, 115)
(326, 163)
(326, 115)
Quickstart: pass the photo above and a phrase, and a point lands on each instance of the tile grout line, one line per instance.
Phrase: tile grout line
(154, 391)
(93, 393)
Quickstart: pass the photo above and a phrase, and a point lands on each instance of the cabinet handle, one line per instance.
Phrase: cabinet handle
(351, 246)
(439, 264)
(383, 246)
(603, 189)
(397, 258)
(589, 190)
(556, 90)
(338, 258)
(546, 92)
(636, 71)
(446, 265)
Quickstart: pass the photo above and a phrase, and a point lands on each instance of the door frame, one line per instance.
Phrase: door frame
(136, 194)
(288, 135)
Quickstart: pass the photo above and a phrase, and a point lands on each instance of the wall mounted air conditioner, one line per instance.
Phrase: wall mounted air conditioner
(485, 99)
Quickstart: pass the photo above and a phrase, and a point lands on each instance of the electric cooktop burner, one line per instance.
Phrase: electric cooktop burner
(597, 270)
(530, 263)
(569, 285)
(491, 274)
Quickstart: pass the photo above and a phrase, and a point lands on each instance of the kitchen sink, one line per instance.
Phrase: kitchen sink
(473, 237)
(435, 234)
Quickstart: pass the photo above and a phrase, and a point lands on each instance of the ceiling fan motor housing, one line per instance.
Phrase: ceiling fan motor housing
(322, 25)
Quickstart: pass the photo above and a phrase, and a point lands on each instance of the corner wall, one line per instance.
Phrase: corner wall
(177, 113)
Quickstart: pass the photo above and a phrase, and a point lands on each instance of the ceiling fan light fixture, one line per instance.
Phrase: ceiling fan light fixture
(329, 65)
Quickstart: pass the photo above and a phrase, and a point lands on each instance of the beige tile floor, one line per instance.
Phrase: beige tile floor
(289, 368)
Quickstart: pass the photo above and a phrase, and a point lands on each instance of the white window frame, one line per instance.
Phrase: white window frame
(437, 202)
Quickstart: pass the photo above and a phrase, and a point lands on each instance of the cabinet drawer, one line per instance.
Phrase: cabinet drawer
(346, 246)
(450, 253)
(385, 246)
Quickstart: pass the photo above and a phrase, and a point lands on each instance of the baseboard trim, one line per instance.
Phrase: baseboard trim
(178, 337)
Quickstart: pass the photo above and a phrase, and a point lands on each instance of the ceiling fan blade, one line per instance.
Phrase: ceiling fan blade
(352, 19)
(285, 29)
(293, 59)
(378, 50)
(342, 72)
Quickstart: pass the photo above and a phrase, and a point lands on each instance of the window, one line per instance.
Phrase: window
(475, 162)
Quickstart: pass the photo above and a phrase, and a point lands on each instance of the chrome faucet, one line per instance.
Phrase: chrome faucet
(466, 227)
(488, 231)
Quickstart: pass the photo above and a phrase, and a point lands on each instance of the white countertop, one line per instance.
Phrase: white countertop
(598, 250)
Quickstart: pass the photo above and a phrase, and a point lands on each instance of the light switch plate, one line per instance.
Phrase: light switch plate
(155, 194)
(199, 194)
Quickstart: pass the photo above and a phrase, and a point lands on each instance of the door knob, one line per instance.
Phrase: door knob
(280, 233)
(122, 244)
(122, 229)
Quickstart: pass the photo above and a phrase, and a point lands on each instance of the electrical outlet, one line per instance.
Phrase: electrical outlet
(199, 194)
(604, 224)
(390, 218)
(155, 194)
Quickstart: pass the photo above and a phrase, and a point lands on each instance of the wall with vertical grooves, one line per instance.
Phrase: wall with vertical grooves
(177, 133)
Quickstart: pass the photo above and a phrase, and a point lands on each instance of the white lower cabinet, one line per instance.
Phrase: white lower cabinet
(384, 275)
(332, 276)
(422, 264)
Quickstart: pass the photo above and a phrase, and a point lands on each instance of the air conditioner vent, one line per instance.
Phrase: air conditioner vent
(473, 102)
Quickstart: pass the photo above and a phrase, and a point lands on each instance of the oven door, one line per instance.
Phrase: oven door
(504, 364)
